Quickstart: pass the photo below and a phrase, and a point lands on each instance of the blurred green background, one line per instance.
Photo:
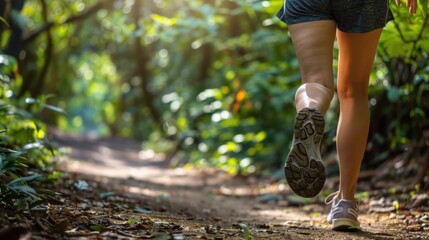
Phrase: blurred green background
(208, 82)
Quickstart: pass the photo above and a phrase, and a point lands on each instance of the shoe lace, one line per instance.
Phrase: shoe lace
(330, 198)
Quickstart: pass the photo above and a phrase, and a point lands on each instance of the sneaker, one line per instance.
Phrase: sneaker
(304, 170)
(343, 215)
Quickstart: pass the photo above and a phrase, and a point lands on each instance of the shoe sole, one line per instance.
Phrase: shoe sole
(345, 225)
(304, 169)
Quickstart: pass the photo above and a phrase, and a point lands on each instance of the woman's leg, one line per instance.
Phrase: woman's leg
(313, 42)
(356, 58)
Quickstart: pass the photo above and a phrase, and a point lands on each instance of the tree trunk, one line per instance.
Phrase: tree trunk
(37, 88)
(143, 71)
(14, 45)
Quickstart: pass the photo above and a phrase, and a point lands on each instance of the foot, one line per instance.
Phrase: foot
(344, 215)
(304, 169)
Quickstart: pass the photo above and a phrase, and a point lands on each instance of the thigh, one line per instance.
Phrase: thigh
(356, 58)
(313, 43)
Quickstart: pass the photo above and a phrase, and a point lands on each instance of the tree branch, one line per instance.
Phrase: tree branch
(32, 34)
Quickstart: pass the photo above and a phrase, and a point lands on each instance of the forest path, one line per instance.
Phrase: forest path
(207, 204)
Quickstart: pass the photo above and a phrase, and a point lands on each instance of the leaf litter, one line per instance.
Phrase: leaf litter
(94, 207)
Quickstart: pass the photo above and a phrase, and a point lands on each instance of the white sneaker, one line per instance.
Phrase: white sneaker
(343, 215)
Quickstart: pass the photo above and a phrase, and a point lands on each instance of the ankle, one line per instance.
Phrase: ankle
(346, 196)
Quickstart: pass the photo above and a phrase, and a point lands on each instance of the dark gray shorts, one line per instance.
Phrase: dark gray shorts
(353, 16)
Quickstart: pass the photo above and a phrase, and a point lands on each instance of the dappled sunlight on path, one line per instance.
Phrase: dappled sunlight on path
(124, 159)
(208, 196)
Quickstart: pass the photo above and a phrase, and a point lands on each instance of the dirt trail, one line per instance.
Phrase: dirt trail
(209, 204)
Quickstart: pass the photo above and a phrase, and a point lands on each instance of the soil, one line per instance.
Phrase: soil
(113, 189)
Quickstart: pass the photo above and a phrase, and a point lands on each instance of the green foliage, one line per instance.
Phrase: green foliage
(211, 80)
(246, 231)
(18, 193)
(235, 118)
(400, 84)
(4, 22)
(23, 141)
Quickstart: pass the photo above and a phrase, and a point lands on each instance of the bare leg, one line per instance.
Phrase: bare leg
(356, 57)
(313, 42)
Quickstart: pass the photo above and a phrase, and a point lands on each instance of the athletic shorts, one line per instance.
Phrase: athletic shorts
(352, 16)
